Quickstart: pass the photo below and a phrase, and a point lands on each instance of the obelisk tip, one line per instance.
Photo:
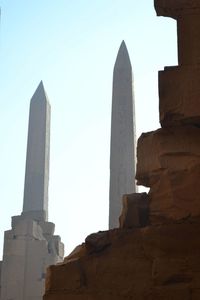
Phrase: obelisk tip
(123, 60)
(40, 94)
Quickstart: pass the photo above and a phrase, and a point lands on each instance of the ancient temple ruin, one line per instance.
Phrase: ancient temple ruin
(30, 246)
(122, 146)
(157, 257)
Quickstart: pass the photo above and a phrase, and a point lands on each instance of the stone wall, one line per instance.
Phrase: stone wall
(155, 262)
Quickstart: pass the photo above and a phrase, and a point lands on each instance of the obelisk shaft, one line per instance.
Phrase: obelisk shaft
(122, 151)
(37, 159)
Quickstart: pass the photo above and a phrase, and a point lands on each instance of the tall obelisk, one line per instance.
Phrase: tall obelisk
(31, 246)
(122, 149)
(37, 159)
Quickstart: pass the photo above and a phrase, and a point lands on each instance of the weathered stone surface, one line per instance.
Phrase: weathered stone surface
(169, 163)
(179, 94)
(97, 242)
(152, 263)
(38, 215)
(175, 196)
(169, 149)
(77, 253)
(27, 253)
(28, 228)
(135, 211)
(48, 228)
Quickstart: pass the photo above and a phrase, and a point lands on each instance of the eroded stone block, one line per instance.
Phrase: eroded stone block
(173, 149)
(175, 196)
(135, 211)
(55, 246)
(14, 247)
(179, 93)
(48, 228)
(28, 228)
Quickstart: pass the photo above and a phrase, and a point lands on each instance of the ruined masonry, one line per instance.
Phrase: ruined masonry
(30, 246)
(122, 146)
(169, 158)
(154, 255)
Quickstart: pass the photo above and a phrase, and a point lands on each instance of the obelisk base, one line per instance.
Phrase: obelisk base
(29, 247)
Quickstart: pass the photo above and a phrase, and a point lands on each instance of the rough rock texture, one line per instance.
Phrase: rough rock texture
(151, 263)
(169, 163)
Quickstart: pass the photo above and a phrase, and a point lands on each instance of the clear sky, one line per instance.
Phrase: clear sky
(72, 47)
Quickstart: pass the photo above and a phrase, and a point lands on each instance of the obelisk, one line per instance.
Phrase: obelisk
(122, 149)
(37, 158)
(31, 246)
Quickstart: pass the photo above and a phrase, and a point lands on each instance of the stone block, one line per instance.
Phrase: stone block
(171, 149)
(170, 293)
(97, 242)
(28, 228)
(16, 220)
(170, 271)
(179, 93)
(8, 234)
(35, 268)
(135, 211)
(48, 228)
(196, 294)
(57, 276)
(37, 215)
(55, 246)
(14, 247)
(175, 196)
(77, 253)
(12, 277)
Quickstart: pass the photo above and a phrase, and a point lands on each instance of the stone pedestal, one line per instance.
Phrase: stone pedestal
(29, 248)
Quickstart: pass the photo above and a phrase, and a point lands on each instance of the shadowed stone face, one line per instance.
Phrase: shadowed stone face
(187, 14)
(176, 8)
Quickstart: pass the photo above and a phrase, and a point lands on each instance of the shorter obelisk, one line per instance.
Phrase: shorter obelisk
(37, 158)
(122, 149)
(31, 246)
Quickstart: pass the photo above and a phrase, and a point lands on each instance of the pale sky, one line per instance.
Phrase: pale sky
(72, 47)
